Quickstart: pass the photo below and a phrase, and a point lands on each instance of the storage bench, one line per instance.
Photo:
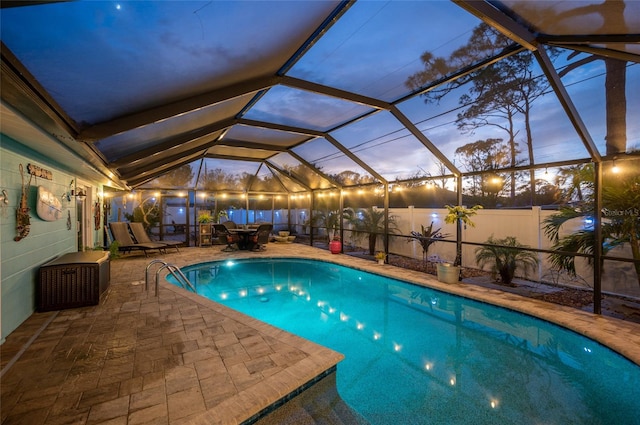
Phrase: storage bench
(73, 280)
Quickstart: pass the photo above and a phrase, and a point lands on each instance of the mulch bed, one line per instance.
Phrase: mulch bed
(570, 297)
(576, 298)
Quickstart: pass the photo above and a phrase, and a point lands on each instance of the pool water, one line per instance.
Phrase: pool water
(415, 355)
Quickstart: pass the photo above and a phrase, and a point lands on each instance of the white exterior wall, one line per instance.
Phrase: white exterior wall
(525, 224)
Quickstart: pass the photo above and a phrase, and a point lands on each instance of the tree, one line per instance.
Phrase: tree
(484, 155)
(497, 95)
(147, 212)
(330, 220)
(620, 225)
(370, 221)
(611, 13)
(351, 178)
(179, 177)
(217, 179)
(576, 183)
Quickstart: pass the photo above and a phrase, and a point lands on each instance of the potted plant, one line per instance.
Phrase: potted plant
(380, 256)
(204, 218)
(504, 256)
(458, 214)
(335, 246)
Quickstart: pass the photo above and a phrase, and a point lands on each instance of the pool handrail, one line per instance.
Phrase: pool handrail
(175, 272)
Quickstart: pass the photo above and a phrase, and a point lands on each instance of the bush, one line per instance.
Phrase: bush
(505, 256)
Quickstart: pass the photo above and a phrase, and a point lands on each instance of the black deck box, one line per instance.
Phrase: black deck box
(73, 280)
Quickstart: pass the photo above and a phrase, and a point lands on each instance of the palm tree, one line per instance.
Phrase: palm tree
(331, 222)
(620, 225)
(370, 221)
(505, 256)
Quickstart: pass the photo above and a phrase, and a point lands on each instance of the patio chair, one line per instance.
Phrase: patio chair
(120, 233)
(223, 232)
(141, 236)
(229, 224)
(261, 238)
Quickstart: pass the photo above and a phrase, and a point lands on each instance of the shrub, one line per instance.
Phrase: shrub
(505, 256)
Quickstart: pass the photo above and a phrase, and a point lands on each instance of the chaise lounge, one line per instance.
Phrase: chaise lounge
(120, 233)
(141, 236)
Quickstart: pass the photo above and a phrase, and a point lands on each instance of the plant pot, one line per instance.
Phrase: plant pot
(335, 247)
(381, 262)
(448, 273)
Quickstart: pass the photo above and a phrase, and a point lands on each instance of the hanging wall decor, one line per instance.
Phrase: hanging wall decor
(96, 214)
(34, 170)
(23, 223)
(48, 206)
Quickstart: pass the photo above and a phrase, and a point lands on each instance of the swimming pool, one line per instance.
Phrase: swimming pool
(416, 355)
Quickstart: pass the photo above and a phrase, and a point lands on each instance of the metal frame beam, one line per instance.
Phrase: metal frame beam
(424, 140)
(500, 21)
(202, 100)
(567, 103)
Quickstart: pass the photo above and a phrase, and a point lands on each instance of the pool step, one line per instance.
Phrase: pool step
(320, 404)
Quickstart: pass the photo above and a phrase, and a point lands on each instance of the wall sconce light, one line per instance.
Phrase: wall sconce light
(615, 169)
(79, 194)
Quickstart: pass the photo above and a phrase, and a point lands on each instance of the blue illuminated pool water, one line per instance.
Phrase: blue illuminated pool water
(418, 356)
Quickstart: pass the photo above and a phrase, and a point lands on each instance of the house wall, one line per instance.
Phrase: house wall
(20, 261)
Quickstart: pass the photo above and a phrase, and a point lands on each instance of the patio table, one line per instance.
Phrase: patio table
(243, 236)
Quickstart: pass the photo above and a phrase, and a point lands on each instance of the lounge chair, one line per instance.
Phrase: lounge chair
(141, 236)
(120, 233)
(261, 237)
(223, 233)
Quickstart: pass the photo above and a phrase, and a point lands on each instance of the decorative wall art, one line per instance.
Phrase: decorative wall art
(34, 170)
(23, 223)
(96, 214)
(48, 206)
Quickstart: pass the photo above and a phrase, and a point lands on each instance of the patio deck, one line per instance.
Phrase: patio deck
(177, 358)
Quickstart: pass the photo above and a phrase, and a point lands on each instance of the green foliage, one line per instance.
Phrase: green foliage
(427, 237)
(205, 218)
(505, 256)
(620, 225)
(179, 177)
(371, 222)
(461, 213)
(114, 249)
(147, 213)
(331, 221)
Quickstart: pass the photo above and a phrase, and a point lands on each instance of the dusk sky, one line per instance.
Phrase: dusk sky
(103, 59)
